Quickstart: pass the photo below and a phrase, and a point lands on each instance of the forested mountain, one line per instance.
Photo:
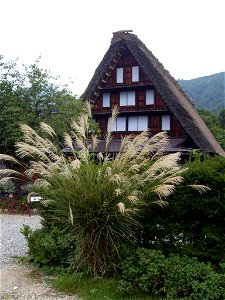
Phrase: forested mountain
(206, 92)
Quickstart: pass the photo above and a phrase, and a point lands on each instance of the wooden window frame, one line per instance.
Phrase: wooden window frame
(115, 124)
(146, 92)
(137, 118)
(127, 98)
(132, 73)
(122, 77)
(109, 95)
(163, 127)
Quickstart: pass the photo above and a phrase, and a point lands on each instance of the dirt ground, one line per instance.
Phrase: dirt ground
(20, 281)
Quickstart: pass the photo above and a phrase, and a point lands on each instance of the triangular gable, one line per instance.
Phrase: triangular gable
(174, 97)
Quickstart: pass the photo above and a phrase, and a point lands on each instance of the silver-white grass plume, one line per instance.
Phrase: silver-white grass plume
(108, 138)
(75, 164)
(31, 137)
(48, 129)
(158, 144)
(88, 109)
(42, 183)
(27, 130)
(79, 130)
(8, 158)
(36, 169)
(164, 190)
(173, 179)
(118, 192)
(70, 214)
(100, 156)
(109, 171)
(94, 141)
(116, 178)
(25, 150)
(68, 142)
(166, 162)
(132, 198)
(6, 180)
(9, 172)
(121, 207)
(200, 188)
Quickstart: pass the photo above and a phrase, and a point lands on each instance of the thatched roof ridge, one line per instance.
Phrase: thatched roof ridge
(175, 98)
(100, 72)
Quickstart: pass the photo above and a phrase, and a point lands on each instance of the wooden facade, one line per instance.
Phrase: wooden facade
(153, 111)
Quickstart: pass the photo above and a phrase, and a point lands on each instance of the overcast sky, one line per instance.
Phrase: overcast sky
(72, 36)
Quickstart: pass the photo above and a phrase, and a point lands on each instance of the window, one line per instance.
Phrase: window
(135, 73)
(137, 123)
(119, 124)
(166, 122)
(127, 98)
(106, 100)
(119, 75)
(149, 97)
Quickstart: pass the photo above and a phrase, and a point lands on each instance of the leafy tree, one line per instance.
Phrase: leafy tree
(214, 124)
(222, 118)
(31, 98)
(12, 106)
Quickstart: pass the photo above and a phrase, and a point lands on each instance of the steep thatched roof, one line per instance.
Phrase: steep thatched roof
(175, 98)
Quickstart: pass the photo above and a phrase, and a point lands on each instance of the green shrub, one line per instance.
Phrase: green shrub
(192, 223)
(49, 247)
(174, 277)
(187, 277)
(143, 270)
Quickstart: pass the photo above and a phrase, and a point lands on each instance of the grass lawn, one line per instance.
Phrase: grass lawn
(92, 289)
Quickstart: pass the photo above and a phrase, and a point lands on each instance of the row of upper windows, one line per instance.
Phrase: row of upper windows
(138, 123)
(128, 98)
(120, 74)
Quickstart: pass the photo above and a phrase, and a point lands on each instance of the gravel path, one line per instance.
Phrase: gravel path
(12, 242)
(19, 281)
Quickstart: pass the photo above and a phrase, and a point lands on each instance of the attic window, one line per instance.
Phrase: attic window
(127, 98)
(119, 75)
(137, 123)
(135, 74)
(106, 100)
(119, 124)
(149, 99)
(165, 122)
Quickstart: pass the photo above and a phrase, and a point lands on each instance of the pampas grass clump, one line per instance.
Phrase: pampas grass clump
(97, 199)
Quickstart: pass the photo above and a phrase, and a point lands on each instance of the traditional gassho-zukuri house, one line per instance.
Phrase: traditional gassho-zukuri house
(148, 97)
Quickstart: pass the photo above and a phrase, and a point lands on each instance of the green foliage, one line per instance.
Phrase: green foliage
(8, 188)
(187, 277)
(143, 270)
(93, 289)
(32, 96)
(222, 118)
(215, 124)
(192, 223)
(206, 92)
(49, 247)
(174, 277)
